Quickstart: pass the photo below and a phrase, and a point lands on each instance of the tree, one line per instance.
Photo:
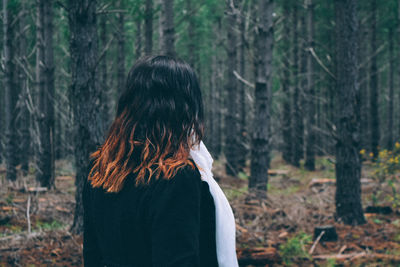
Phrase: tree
(348, 162)
(9, 93)
(103, 73)
(373, 84)
(297, 120)
(23, 113)
(232, 114)
(310, 113)
(260, 135)
(286, 116)
(148, 27)
(168, 28)
(243, 151)
(389, 143)
(45, 80)
(84, 92)
(121, 47)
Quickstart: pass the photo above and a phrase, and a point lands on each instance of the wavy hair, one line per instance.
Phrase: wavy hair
(159, 119)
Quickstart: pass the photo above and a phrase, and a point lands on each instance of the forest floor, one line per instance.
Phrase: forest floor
(277, 231)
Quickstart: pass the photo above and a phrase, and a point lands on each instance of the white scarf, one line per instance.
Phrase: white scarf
(224, 219)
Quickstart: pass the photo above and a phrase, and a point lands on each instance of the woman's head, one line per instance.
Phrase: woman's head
(159, 118)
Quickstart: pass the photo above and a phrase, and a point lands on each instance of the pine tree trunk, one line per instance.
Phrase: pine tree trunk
(25, 115)
(296, 111)
(389, 144)
(286, 121)
(374, 92)
(191, 31)
(105, 89)
(168, 29)
(213, 102)
(121, 49)
(45, 82)
(49, 86)
(363, 78)
(84, 93)
(220, 70)
(242, 89)
(310, 113)
(348, 163)
(148, 27)
(138, 43)
(231, 119)
(9, 94)
(260, 135)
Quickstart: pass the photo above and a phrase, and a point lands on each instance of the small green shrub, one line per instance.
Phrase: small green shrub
(385, 166)
(49, 225)
(294, 248)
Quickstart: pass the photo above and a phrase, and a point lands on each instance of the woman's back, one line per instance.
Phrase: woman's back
(165, 223)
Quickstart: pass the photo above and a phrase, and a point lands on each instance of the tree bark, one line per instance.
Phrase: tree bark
(363, 81)
(23, 79)
(148, 27)
(121, 49)
(310, 113)
(191, 30)
(45, 86)
(398, 34)
(232, 115)
(348, 163)
(286, 121)
(84, 93)
(389, 143)
(138, 43)
(243, 151)
(168, 28)
(9, 94)
(260, 135)
(105, 89)
(374, 92)
(297, 137)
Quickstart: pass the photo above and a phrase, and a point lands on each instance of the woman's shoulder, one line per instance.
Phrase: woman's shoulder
(184, 176)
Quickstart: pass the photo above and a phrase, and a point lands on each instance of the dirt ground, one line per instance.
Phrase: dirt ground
(277, 231)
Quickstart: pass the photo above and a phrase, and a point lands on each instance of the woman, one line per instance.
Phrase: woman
(150, 199)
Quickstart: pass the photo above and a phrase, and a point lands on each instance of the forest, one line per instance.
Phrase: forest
(302, 113)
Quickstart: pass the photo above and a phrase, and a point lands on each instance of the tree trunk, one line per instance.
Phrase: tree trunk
(45, 82)
(286, 121)
(138, 44)
(363, 78)
(302, 82)
(220, 70)
(148, 27)
(260, 135)
(84, 93)
(374, 92)
(23, 79)
(231, 119)
(9, 94)
(243, 152)
(296, 112)
(105, 89)
(168, 29)
(310, 113)
(121, 49)
(191, 31)
(389, 144)
(348, 163)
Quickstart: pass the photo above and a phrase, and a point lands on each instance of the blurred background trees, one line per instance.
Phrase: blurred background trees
(271, 73)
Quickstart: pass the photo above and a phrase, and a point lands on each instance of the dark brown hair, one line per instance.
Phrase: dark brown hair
(159, 119)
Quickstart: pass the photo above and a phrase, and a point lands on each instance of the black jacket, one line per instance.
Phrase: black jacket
(168, 223)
